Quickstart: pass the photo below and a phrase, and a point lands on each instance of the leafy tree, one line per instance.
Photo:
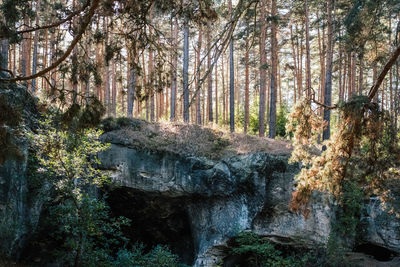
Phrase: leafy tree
(81, 218)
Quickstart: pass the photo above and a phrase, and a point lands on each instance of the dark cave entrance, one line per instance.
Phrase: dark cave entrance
(155, 220)
(379, 253)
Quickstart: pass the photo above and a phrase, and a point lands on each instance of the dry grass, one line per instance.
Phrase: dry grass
(189, 139)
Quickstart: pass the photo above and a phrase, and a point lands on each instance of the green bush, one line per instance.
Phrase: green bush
(281, 121)
(261, 252)
(159, 256)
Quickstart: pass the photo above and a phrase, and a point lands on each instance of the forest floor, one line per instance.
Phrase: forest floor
(188, 139)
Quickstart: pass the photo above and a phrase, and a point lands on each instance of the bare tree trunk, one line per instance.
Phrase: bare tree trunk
(223, 91)
(185, 69)
(35, 47)
(198, 96)
(274, 63)
(295, 64)
(174, 70)
(353, 73)
(114, 89)
(328, 78)
(263, 71)
(231, 80)
(308, 57)
(209, 78)
(361, 77)
(216, 92)
(246, 84)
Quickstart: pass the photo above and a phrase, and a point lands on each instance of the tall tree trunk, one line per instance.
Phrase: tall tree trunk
(198, 95)
(35, 47)
(174, 70)
(216, 92)
(231, 80)
(223, 90)
(274, 65)
(114, 89)
(131, 82)
(263, 70)
(185, 69)
(361, 77)
(209, 77)
(295, 69)
(353, 73)
(328, 77)
(246, 84)
(308, 57)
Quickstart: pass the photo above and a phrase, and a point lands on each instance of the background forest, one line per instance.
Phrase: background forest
(228, 63)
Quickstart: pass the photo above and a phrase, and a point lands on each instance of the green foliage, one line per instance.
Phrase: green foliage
(260, 252)
(159, 256)
(281, 121)
(82, 220)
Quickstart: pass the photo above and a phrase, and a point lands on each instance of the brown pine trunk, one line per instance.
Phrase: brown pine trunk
(263, 70)
(216, 92)
(295, 69)
(223, 91)
(308, 56)
(209, 78)
(246, 85)
(274, 69)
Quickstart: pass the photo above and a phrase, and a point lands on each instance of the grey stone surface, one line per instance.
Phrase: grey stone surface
(19, 210)
(247, 192)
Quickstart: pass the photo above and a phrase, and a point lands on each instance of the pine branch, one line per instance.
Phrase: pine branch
(85, 23)
(69, 17)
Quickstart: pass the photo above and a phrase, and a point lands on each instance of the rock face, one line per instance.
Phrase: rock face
(19, 210)
(378, 227)
(215, 200)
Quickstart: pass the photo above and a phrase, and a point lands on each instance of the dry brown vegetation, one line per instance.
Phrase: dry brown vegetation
(188, 139)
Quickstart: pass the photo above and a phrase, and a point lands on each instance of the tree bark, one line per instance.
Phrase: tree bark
(274, 65)
(263, 71)
(328, 77)
(185, 73)
(231, 80)
(209, 78)
(308, 57)
(174, 70)
(198, 96)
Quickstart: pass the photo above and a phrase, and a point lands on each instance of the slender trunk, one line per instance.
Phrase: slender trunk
(174, 70)
(360, 78)
(114, 89)
(246, 84)
(185, 73)
(263, 71)
(231, 80)
(35, 47)
(274, 63)
(328, 78)
(209, 78)
(308, 57)
(198, 96)
(353, 73)
(223, 91)
(131, 83)
(294, 63)
(216, 92)
(87, 85)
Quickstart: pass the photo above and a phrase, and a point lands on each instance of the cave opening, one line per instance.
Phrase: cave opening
(379, 253)
(155, 220)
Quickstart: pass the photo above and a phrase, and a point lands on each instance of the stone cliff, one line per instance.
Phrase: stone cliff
(196, 205)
